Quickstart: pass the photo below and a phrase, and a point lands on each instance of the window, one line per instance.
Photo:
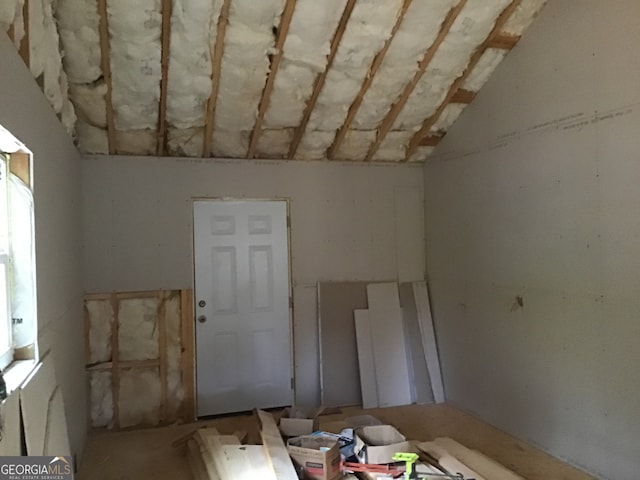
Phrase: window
(17, 254)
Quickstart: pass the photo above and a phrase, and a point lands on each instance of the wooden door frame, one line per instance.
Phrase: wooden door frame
(287, 201)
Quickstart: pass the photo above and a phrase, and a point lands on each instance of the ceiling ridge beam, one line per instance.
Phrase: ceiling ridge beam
(283, 31)
(504, 41)
(392, 115)
(373, 70)
(321, 78)
(161, 138)
(105, 52)
(475, 58)
(216, 52)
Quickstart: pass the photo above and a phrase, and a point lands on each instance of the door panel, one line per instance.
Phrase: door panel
(243, 348)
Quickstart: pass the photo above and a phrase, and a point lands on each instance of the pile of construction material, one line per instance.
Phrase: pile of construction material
(356, 448)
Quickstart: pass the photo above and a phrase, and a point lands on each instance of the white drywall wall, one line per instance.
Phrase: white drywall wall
(26, 113)
(534, 193)
(138, 230)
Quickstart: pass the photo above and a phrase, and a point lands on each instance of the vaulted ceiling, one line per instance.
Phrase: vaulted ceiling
(356, 80)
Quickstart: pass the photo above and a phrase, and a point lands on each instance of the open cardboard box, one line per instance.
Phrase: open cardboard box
(379, 443)
(296, 421)
(318, 456)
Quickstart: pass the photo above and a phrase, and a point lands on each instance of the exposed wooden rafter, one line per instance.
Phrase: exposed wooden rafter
(504, 41)
(391, 117)
(217, 51)
(283, 31)
(463, 96)
(320, 80)
(475, 58)
(373, 69)
(162, 108)
(105, 52)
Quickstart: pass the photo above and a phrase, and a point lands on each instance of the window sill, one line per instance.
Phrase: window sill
(17, 372)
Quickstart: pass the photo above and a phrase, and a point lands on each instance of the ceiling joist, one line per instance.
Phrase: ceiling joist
(217, 51)
(25, 47)
(105, 52)
(373, 69)
(475, 58)
(432, 140)
(161, 138)
(283, 31)
(391, 117)
(320, 80)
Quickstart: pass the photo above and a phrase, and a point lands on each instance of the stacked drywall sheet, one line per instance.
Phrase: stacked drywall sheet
(339, 374)
(135, 358)
(397, 353)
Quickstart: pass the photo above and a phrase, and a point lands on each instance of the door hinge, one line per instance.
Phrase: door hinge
(293, 384)
(288, 221)
(290, 302)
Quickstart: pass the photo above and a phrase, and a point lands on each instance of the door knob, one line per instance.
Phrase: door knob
(202, 318)
(202, 304)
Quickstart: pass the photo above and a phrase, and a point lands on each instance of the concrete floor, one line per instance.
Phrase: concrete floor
(148, 454)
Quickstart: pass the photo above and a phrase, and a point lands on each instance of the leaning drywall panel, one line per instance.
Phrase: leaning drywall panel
(57, 437)
(100, 317)
(11, 441)
(139, 400)
(138, 329)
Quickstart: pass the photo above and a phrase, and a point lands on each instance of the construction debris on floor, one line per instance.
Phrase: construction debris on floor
(357, 447)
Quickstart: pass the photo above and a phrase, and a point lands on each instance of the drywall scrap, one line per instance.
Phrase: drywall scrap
(137, 347)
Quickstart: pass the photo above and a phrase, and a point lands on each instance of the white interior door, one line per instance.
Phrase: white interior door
(243, 346)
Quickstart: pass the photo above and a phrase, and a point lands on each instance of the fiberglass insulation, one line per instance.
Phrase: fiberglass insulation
(11, 14)
(245, 65)
(368, 29)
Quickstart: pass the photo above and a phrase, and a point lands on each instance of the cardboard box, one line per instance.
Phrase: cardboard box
(319, 457)
(379, 443)
(297, 421)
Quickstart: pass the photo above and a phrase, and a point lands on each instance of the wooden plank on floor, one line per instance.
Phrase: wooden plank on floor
(477, 461)
(423, 307)
(196, 461)
(339, 372)
(35, 394)
(417, 357)
(366, 359)
(274, 447)
(248, 462)
(448, 461)
(207, 457)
